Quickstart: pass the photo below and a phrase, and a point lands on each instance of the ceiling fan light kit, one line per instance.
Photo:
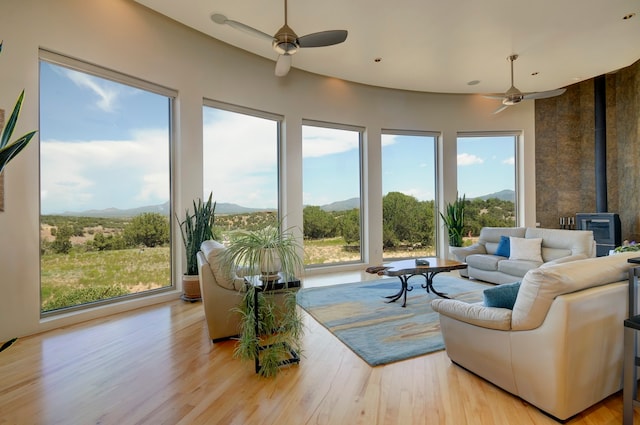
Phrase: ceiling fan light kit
(285, 42)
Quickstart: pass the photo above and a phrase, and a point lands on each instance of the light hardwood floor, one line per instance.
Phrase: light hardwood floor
(156, 365)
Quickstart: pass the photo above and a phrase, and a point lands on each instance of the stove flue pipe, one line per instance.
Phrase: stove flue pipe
(600, 111)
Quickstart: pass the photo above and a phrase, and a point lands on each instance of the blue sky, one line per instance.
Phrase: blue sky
(485, 165)
(105, 144)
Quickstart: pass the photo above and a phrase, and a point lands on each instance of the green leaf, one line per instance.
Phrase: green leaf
(8, 129)
(8, 344)
(195, 229)
(7, 153)
(454, 220)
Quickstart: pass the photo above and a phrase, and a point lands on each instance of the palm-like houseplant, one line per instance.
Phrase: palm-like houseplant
(454, 221)
(195, 228)
(8, 151)
(274, 255)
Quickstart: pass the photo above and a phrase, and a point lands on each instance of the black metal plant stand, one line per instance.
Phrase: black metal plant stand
(260, 286)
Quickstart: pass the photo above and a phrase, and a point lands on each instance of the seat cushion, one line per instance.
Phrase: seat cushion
(484, 261)
(517, 267)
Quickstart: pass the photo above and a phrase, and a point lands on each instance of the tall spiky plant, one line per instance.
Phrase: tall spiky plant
(195, 229)
(454, 221)
(8, 151)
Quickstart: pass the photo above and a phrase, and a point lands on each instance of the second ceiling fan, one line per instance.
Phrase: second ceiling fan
(286, 42)
(514, 96)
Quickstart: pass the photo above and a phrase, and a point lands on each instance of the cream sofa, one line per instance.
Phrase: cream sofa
(557, 246)
(561, 347)
(222, 290)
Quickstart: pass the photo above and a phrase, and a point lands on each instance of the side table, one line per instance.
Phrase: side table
(631, 358)
(278, 285)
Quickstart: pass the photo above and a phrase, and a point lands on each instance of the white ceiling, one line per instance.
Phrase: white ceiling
(437, 45)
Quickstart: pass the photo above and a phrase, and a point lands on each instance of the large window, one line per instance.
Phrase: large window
(240, 166)
(331, 174)
(105, 185)
(408, 186)
(487, 177)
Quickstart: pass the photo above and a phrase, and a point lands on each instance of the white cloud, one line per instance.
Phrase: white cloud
(240, 146)
(469, 159)
(509, 161)
(419, 193)
(104, 173)
(389, 140)
(106, 92)
(320, 141)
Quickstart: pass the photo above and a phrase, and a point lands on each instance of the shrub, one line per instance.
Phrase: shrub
(148, 229)
(62, 243)
(69, 296)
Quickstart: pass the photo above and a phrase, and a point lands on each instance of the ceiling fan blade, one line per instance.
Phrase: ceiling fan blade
(500, 109)
(493, 96)
(323, 38)
(283, 65)
(544, 94)
(222, 20)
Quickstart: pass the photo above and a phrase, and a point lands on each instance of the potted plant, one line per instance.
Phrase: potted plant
(454, 221)
(195, 228)
(271, 335)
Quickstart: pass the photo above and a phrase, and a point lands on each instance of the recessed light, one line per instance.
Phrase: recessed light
(628, 16)
(473, 82)
(376, 60)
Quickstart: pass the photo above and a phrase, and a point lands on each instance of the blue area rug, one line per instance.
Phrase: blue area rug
(380, 332)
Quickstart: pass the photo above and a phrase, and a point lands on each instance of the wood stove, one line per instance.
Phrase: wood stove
(605, 227)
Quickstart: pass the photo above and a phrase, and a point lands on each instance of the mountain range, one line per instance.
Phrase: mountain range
(229, 208)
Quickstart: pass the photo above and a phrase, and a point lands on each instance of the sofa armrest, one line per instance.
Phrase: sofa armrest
(474, 314)
(462, 253)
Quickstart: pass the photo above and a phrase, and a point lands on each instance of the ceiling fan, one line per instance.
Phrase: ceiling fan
(286, 42)
(514, 96)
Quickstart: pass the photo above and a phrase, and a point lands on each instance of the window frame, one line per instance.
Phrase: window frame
(517, 165)
(78, 65)
(362, 184)
(436, 175)
(279, 119)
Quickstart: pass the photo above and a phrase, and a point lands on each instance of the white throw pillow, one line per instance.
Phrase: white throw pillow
(529, 249)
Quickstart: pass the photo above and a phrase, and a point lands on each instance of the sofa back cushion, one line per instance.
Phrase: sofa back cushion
(224, 276)
(558, 243)
(490, 236)
(541, 286)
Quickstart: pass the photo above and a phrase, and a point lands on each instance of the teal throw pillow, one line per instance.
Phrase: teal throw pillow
(502, 296)
(504, 247)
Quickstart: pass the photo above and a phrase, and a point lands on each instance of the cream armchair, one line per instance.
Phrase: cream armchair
(561, 347)
(221, 291)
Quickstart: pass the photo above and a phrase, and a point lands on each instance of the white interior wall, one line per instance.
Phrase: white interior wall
(128, 38)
